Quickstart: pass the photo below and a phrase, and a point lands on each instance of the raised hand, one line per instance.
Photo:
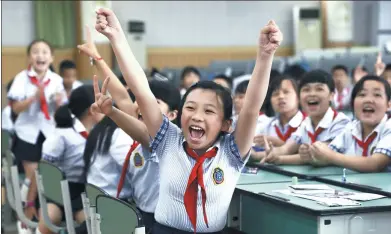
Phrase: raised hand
(270, 38)
(103, 103)
(89, 47)
(379, 65)
(359, 73)
(107, 23)
(270, 156)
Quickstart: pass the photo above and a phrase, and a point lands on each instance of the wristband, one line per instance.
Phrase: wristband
(29, 204)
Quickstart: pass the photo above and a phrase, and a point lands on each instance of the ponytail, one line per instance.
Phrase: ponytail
(63, 117)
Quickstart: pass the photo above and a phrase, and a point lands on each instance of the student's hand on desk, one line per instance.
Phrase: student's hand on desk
(270, 156)
(259, 140)
(321, 153)
(107, 23)
(89, 47)
(379, 65)
(304, 152)
(103, 103)
(270, 38)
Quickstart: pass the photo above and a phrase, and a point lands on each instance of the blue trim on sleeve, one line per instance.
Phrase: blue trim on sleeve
(335, 148)
(160, 134)
(384, 151)
(49, 158)
(234, 148)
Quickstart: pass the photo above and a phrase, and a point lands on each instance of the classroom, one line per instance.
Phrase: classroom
(180, 117)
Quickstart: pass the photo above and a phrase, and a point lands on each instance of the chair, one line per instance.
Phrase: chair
(118, 217)
(8, 183)
(89, 205)
(51, 184)
(17, 196)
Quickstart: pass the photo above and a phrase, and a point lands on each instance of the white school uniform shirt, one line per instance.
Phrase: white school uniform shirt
(346, 143)
(221, 174)
(6, 120)
(65, 149)
(342, 100)
(32, 121)
(76, 84)
(332, 128)
(269, 128)
(144, 179)
(105, 170)
(261, 121)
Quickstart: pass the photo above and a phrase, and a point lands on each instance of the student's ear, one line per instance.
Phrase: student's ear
(172, 115)
(226, 125)
(389, 105)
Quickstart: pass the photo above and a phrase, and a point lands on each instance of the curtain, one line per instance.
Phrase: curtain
(55, 22)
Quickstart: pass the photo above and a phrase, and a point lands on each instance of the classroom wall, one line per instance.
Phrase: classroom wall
(191, 23)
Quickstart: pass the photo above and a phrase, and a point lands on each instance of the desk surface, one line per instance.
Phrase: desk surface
(378, 205)
(379, 180)
(263, 177)
(306, 170)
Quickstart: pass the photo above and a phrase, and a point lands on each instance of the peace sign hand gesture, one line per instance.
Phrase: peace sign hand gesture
(89, 47)
(103, 103)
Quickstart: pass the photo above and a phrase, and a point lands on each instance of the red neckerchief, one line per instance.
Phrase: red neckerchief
(196, 178)
(125, 168)
(365, 144)
(285, 137)
(43, 103)
(318, 131)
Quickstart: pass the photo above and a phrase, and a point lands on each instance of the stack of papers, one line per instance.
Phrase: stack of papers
(325, 195)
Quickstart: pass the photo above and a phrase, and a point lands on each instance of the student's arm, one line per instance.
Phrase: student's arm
(269, 41)
(132, 126)
(375, 163)
(108, 25)
(20, 106)
(289, 148)
(17, 95)
(117, 90)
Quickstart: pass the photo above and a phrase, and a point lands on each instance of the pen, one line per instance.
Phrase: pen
(344, 175)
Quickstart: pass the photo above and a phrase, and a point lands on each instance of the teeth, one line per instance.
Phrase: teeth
(196, 128)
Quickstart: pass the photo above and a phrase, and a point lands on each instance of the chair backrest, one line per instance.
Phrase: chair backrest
(93, 192)
(9, 156)
(5, 137)
(117, 215)
(51, 180)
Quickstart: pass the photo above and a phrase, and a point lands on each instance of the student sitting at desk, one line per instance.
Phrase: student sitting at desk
(322, 124)
(365, 144)
(285, 103)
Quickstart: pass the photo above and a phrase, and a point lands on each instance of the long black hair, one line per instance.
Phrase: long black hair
(79, 103)
(99, 141)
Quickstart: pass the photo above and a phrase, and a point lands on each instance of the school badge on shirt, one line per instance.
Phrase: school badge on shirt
(218, 176)
(138, 160)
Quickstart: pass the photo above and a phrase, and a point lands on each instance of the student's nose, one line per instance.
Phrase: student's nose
(197, 116)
